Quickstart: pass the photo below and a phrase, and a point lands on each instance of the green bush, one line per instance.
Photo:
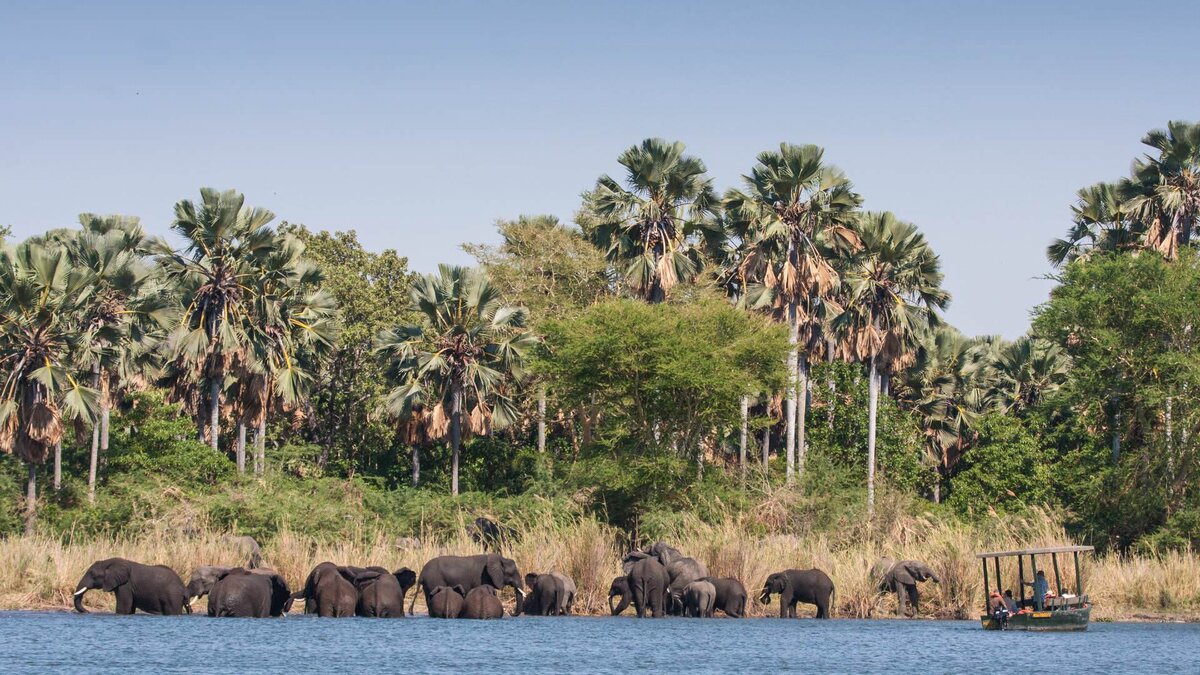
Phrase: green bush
(1006, 470)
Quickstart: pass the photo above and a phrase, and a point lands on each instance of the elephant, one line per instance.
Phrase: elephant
(249, 547)
(446, 602)
(698, 599)
(153, 589)
(203, 578)
(551, 594)
(619, 587)
(648, 583)
(327, 592)
(481, 603)
(249, 593)
(731, 596)
(380, 592)
(490, 535)
(901, 577)
(813, 587)
(680, 569)
(469, 572)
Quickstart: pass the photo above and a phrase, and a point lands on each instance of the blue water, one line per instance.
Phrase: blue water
(98, 643)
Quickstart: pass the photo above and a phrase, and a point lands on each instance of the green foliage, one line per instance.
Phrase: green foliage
(663, 375)
(155, 439)
(837, 430)
(1006, 470)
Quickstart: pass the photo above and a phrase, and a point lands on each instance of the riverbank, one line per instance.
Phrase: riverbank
(40, 572)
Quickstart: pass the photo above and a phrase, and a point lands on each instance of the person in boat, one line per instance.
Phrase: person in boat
(1010, 602)
(1041, 586)
(998, 608)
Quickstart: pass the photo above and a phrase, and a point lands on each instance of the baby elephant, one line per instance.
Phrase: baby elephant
(446, 602)
(482, 603)
(550, 594)
(731, 596)
(698, 599)
(813, 587)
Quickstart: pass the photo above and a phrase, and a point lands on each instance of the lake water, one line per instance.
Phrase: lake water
(98, 643)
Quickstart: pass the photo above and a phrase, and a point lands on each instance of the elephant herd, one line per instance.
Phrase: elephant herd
(657, 581)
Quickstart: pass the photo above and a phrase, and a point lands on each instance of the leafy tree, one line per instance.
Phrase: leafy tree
(1163, 191)
(893, 291)
(465, 355)
(42, 298)
(1006, 470)
(794, 219)
(372, 293)
(667, 376)
(654, 226)
(548, 269)
(1100, 224)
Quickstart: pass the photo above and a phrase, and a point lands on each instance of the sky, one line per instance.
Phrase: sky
(418, 125)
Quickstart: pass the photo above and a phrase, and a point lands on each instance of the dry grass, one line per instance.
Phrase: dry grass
(40, 572)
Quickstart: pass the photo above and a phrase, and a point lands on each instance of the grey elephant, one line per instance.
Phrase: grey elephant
(481, 603)
(647, 583)
(446, 602)
(698, 599)
(240, 592)
(204, 577)
(731, 596)
(328, 593)
(567, 599)
(619, 588)
(153, 589)
(380, 592)
(901, 577)
(549, 594)
(681, 570)
(812, 586)
(469, 572)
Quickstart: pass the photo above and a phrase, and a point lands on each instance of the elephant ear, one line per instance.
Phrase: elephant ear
(495, 570)
(406, 577)
(902, 574)
(920, 571)
(351, 574)
(281, 595)
(631, 558)
(116, 575)
(458, 589)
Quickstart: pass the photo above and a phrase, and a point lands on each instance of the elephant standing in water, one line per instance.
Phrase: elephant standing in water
(481, 603)
(646, 585)
(327, 592)
(246, 593)
(153, 589)
(446, 602)
(731, 596)
(549, 594)
(698, 599)
(469, 572)
(813, 587)
(380, 592)
(901, 577)
(204, 577)
(681, 570)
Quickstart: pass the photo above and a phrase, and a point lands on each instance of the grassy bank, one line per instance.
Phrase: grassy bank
(39, 572)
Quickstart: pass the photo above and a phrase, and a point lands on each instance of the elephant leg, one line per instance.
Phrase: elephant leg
(913, 598)
(124, 600)
(900, 593)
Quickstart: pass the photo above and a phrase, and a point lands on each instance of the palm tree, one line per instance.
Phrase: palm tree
(893, 291)
(127, 315)
(42, 295)
(465, 355)
(655, 224)
(794, 218)
(1101, 223)
(1164, 191)
(1027, 370)
(218, 276)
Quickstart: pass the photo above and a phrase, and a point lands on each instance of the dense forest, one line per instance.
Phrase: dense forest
(674, 350)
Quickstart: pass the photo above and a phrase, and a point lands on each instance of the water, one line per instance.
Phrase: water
(98, 643)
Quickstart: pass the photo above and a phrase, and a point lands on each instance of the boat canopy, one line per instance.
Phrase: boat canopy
(1036, 551)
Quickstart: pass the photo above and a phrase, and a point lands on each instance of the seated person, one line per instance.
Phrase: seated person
(1010, 602)
(996, 606)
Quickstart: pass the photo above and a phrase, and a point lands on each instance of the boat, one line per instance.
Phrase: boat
(1060, 610)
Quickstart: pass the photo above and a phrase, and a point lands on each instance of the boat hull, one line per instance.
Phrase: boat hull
(1065, 619)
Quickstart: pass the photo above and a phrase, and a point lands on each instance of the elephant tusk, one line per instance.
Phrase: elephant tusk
(81, 591)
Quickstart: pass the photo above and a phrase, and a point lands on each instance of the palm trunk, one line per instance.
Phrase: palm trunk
(58, 466)
(541, 429)
(801, 417)
(241, 447)
(94, 459)
(766, 451)
(416, 466)
(872, 410)
(260, 441)
(214, 412)
(793, 368)
(105, 423)
(31, 500)
(455, 436)
(742, 439)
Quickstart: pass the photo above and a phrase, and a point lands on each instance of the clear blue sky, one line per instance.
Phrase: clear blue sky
(419, 125)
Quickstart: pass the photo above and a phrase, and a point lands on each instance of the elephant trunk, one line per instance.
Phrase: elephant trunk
(612, 610)
(79, 599)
